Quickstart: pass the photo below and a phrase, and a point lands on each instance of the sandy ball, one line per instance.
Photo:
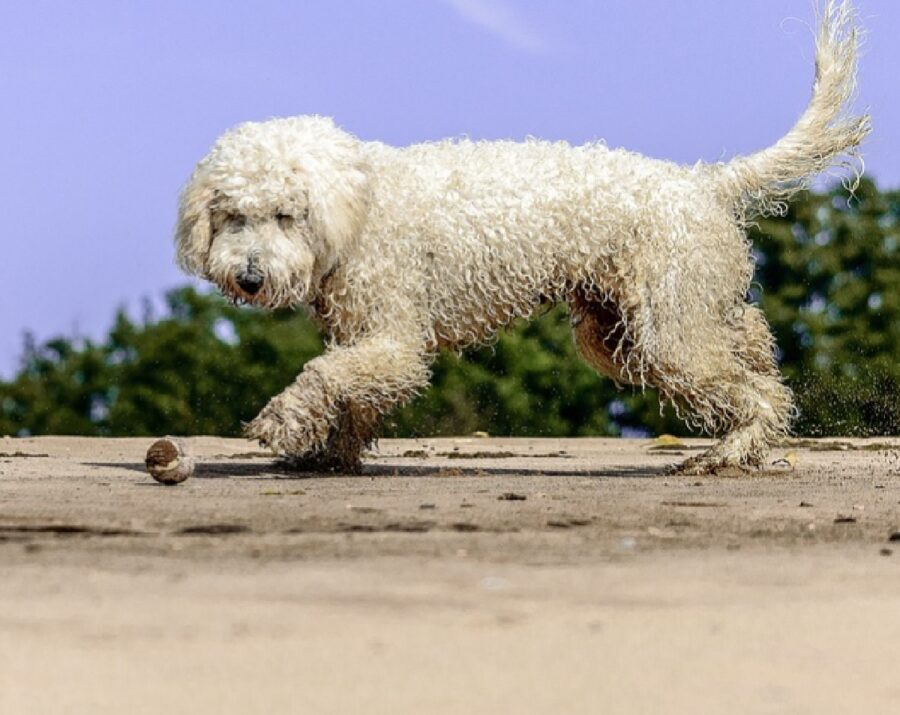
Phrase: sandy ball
(169, 461)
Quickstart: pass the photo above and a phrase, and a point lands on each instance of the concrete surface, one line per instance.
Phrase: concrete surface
(456, 576)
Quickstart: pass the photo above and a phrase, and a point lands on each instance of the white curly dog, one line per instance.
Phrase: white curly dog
(400, 252)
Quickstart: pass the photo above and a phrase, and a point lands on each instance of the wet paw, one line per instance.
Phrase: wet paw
(267, 429)
(289, 430)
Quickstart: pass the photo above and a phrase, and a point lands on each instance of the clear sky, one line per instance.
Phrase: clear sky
(107, 104)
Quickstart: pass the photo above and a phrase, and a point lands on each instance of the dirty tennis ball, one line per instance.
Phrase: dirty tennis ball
(169, 461)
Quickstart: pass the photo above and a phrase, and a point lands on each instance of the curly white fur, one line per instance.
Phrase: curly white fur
(402, 252)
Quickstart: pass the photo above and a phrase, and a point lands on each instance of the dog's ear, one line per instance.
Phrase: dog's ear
(193, 230)
(338, 186)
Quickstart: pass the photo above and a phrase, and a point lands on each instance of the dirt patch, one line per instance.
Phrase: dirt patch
(826, 445)
(213, 529)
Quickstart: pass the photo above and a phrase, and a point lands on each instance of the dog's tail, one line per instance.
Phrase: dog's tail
(826, 136)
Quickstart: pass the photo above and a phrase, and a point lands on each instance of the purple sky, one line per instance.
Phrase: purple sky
(106, 106)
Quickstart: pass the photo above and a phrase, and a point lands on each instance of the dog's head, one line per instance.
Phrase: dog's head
(272, 208)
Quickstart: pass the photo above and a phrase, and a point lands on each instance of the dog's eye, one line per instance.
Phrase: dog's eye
(237, 220)
(284, 220)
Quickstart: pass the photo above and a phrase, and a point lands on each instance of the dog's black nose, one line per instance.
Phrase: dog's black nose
(250, 283)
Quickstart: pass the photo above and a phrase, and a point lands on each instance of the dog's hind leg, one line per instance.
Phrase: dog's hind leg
(721, 375)
(766, 403)
(726, 375)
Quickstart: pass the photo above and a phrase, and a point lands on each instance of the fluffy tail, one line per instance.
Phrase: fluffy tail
(826, 136)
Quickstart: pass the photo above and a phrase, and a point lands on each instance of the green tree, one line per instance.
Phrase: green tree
(201, 370)
(830, 277)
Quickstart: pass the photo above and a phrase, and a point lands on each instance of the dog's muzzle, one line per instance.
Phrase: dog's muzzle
(251, 278)
(249, 282)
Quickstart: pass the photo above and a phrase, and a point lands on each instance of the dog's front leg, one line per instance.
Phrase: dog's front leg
(378, 372)
(296, 421)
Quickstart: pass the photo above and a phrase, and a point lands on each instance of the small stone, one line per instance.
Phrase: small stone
(895, 537)
(805, 504)
(789, 460)
(512, 496)
(169, 461)
(667, 441)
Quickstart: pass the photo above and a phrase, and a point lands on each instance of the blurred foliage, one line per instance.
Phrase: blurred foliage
(200, 370)
(828, 280)
(830, 277)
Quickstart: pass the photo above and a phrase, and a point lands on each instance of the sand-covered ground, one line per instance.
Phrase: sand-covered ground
(455, 576)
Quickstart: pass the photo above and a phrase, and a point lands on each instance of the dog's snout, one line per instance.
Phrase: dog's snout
(250, 283)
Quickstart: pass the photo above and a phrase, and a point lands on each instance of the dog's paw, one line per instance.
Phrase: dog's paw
(267, 429)
(291, 430)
